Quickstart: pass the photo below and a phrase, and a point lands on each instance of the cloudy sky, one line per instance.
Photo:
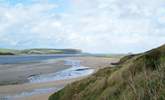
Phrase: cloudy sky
(100, 26)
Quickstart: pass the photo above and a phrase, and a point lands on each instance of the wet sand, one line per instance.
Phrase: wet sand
(18, 73)
(92, 62)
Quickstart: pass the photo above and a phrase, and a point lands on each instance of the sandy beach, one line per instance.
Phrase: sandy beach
(44, 68)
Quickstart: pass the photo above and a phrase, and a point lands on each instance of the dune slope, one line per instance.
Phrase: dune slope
(135, 77)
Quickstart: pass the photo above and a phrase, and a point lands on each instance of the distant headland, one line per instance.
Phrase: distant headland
(39, 51)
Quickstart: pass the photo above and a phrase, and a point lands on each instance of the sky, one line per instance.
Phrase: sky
(97, 26)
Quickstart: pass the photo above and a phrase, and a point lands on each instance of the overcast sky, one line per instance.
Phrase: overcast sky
(99, 26)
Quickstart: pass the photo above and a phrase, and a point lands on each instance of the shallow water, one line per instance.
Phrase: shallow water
(32, 58)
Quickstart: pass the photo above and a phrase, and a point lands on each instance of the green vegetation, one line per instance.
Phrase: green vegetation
(41, 51)
(38, 51)
(136, 77)
(8, 51)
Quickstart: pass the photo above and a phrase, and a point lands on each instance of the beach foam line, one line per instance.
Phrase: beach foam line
(75, 71)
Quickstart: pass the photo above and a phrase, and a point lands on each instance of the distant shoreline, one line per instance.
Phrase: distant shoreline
(39, 51)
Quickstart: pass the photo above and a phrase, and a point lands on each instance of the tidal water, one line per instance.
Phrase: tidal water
(32, 58)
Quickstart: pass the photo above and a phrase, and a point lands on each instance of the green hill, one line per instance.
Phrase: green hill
(8, 51)
(135, 77)
(38, 51)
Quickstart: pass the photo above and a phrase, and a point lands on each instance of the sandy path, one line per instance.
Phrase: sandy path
(93, 62)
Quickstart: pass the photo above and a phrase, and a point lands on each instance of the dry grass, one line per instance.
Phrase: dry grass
(137, 77)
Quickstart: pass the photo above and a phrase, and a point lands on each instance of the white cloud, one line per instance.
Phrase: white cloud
(91, 25)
